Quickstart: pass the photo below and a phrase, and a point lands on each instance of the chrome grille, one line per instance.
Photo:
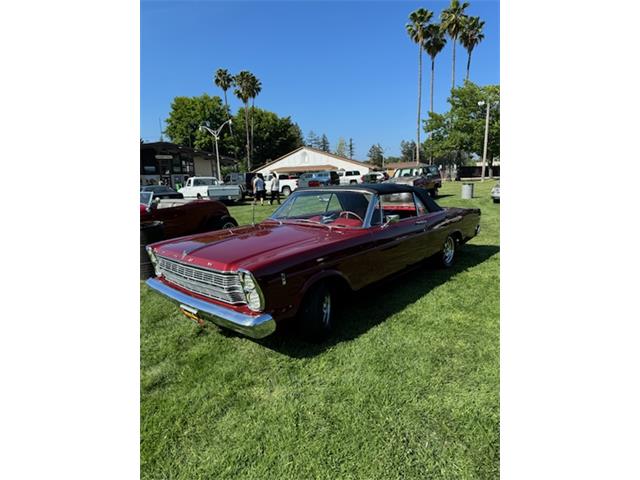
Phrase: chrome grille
(225, 287)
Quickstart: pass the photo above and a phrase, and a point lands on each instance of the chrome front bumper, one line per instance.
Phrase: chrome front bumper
(258, 326)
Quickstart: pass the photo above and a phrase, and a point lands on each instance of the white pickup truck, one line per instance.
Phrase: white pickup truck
(211, 187)
(288, 183)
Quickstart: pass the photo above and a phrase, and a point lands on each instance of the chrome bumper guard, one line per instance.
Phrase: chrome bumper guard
(252, 326)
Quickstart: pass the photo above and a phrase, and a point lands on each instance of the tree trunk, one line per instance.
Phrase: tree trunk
(246, 125)
(468, 64)
(419, 102)
(252, 113)
(453, 65)
(433, 69)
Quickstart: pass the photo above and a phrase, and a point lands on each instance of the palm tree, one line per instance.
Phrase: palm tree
(416, 28)
(452, 21)
(471, 36)
(224, 80)
(433, 45)
(255, 87)
(243, 84)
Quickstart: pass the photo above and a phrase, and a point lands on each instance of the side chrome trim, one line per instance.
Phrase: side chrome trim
(258, 326)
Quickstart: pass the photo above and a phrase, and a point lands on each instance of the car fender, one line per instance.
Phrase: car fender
(321, 275)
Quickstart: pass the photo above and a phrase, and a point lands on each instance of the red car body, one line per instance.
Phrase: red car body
(287, 259)
(185, 217)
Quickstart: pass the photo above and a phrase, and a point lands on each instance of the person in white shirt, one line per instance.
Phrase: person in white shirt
(275, 188)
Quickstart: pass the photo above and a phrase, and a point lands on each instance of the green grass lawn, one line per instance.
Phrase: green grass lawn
(407, 388)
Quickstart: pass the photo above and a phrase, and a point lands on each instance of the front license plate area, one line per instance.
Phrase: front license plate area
(192, 314)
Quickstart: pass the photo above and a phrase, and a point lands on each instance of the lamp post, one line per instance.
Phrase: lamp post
(216, 135)
(486, 137)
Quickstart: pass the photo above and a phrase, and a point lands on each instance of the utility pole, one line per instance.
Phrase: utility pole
(486, 138)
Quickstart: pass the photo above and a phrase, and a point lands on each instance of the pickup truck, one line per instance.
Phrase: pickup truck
(288, 183)
(422, 176)
(212, 188)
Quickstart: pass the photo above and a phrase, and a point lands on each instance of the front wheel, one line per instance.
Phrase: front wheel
(286, 190)
(227, 222)
(317, 313)
(448, 252)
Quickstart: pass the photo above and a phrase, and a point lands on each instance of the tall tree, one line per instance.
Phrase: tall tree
(312, 140)
(408, 150)
(324, 143)
(274, 136)
(376, 155)
(452, 21)
(341, 148)
(188, 113)
(243, 83)
(417, 28)
(255, 87)
(458, 134)
(352, 148)
(224, 80)
(433, 45)
(471, 36)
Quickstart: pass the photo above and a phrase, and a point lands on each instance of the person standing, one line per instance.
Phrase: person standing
(275, 188)
(259, 192)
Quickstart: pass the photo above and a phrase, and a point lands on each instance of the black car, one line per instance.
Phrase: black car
(161, 191)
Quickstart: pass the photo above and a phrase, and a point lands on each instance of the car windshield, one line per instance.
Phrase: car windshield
(346, 209)
(145, 198)
(406, 172)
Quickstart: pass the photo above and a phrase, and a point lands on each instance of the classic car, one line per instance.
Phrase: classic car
(319, 179)
(320, 243)
(184, 216)
(212, 188)
(495, 193)
(422, 176)
(161, 191)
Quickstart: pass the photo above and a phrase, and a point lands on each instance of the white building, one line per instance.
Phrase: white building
(307, 159)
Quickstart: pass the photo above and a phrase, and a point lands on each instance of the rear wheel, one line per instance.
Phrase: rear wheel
(227, 222)
(448, 253)
(352, 182)
(317, 313)
(286, 190)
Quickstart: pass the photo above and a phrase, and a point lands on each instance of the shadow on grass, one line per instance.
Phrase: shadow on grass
(360, 313)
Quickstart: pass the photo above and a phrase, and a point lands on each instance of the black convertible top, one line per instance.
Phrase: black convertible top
(384, 189)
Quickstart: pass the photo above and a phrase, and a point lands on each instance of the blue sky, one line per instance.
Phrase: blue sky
(347, 69)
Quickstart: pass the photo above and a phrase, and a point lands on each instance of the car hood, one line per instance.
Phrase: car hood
(248, 247)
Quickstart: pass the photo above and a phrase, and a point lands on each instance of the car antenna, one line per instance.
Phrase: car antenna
(253, 213)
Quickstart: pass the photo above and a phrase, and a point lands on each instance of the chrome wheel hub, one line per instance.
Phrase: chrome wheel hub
(448, 250)
(326, 309)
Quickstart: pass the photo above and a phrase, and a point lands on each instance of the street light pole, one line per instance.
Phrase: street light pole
(216, 135)
(486, 138)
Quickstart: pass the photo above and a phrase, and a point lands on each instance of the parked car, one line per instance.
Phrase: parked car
(375, 177)
(184, 216)
(161, 191)
(212, 188)
(421, 176)
(318, 179)
(243, 179)
(495, 193)
(349, 177)
(319, 244)
(288, 183)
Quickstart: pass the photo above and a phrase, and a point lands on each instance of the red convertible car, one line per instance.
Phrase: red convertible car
(184, 216)
(319, 243)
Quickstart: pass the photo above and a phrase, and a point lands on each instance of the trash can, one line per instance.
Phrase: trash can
(467, 191)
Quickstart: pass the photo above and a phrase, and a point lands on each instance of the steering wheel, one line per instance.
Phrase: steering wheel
(346, 213)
